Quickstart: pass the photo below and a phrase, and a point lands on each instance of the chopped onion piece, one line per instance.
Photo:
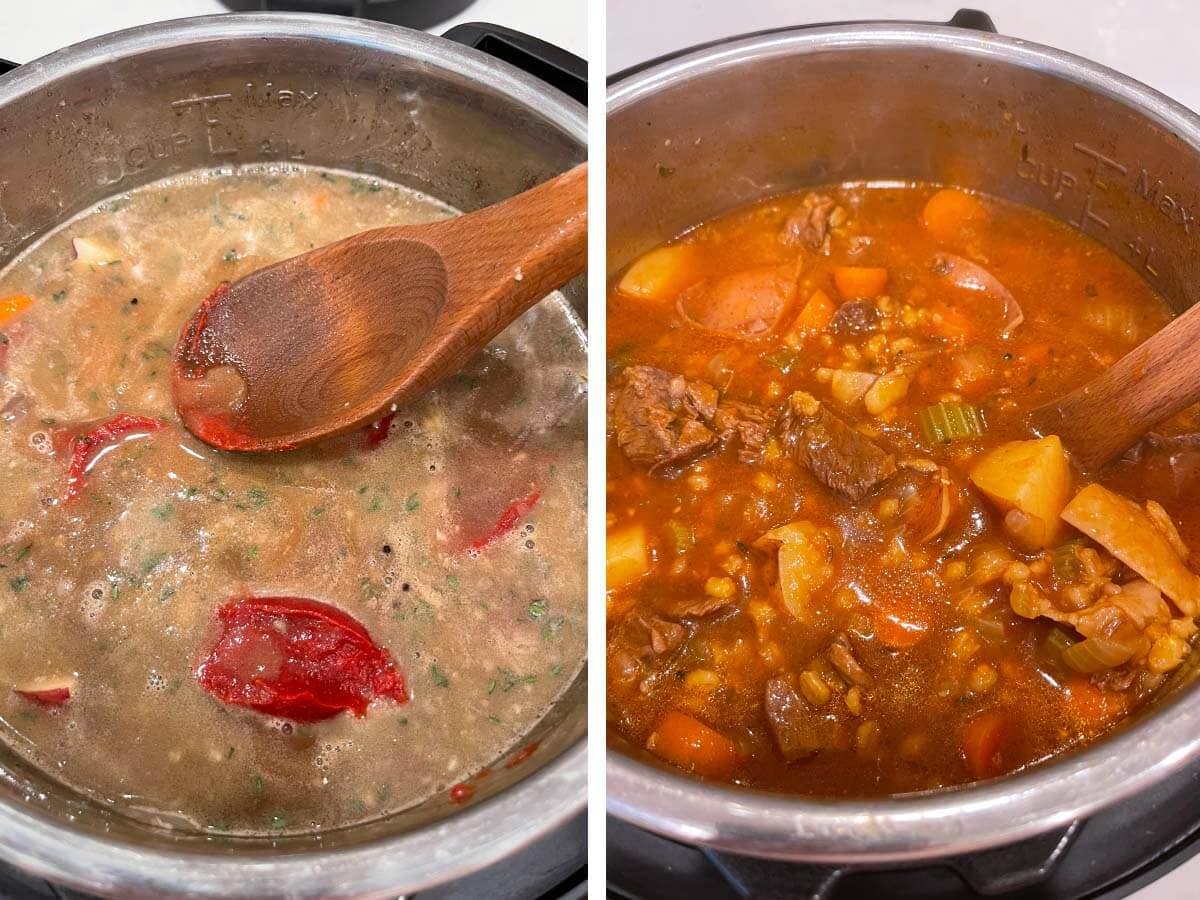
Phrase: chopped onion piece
(92, 252)
(1096, 654)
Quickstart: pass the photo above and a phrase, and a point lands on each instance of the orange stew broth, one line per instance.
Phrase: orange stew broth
(962, 688)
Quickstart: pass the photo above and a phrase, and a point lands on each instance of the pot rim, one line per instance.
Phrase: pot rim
(451, 848)
(952, 821)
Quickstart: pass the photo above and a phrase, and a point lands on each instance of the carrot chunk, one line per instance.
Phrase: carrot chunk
(981, 744)
(950, 213)
(860, 282)
(816, 315)
(949, 322)
(900, 631)
(692, 745)
(13, 305)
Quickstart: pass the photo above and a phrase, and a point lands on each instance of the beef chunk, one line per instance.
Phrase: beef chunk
(799, 729)
(840, 457)
(842, 656)
(645, 637)
(855, 317)
(750, 423)
(663, 419)
(698, 607)
(664, 635)
(809, 224)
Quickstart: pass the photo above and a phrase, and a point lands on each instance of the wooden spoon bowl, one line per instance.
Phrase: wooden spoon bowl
(329, 341)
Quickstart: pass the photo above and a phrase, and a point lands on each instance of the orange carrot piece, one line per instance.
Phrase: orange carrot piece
(692, 745)
(1094, 707)
(816, 315)
(899, 631)
(13, 305)
(951, 212)
(860, 282)
(981, 743)
(949, 322)
(320, 200)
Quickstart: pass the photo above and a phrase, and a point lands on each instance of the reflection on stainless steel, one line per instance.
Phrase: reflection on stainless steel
(728, 124)
(119, 111)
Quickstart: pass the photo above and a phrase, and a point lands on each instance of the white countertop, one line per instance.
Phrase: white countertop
(32, 29)
(1151, 41)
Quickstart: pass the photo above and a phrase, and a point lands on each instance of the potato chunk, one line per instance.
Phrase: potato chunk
(660, 274)
(1031, 476)
(1126, 531)
(805, 563)
(627, 559)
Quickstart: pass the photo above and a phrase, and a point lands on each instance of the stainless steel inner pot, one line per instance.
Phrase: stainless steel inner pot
(122, 110)
(727, 124)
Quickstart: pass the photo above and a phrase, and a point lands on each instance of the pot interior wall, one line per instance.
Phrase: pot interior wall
(154, 108)
(738, 126)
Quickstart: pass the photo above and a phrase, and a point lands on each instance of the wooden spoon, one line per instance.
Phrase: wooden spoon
(333, 339)
(1149, 384)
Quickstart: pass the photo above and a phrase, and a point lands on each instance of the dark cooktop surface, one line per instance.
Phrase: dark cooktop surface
(1108, 856)
(553, 868)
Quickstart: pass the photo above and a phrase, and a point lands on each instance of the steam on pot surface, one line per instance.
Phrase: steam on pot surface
(275, 643)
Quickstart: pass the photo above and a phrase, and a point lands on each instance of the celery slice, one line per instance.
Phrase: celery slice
(951, 421)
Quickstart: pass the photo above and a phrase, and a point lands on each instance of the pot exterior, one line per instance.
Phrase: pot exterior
(123, 110)
(735, 122)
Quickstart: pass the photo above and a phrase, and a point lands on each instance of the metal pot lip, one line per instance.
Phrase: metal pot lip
(432, 50)
(911, 828)
(954, 821)
(707, 58)
(451, 848)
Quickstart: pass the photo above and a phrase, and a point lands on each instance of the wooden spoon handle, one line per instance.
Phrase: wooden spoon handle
(499, 261)
(518, 250)
(1149, 384)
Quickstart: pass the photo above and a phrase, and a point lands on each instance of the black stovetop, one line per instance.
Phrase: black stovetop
(553, 868)
(1106, 857)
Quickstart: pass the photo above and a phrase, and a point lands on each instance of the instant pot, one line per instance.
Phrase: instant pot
(466, 126)
(707, 130)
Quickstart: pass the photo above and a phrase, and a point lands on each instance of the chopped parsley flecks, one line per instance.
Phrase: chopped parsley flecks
(439, 677)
